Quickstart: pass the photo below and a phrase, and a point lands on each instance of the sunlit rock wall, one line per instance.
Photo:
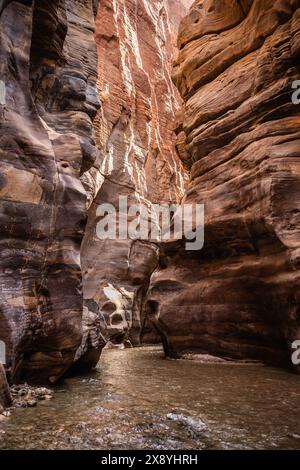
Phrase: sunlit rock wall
(134, 132)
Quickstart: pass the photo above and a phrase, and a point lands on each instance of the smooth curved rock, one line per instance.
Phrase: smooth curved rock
(60, 155)
(238, 133)
(48, 100)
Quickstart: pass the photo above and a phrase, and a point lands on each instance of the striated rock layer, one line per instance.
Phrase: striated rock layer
(134, 132)
(62, 156)
(239, 136)
(48, 99)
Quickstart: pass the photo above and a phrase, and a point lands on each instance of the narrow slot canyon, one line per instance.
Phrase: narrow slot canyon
(125, 334)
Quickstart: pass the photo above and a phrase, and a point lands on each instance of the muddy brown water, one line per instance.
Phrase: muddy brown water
(136, 399)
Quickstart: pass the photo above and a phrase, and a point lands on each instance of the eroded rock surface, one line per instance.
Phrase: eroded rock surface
(48, 99)
(134, 132)
(61, 156)
(238, 133)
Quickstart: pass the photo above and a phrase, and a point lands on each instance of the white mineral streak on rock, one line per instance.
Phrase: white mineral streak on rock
(137, 158)
(132, 38)
(51, 132)
(125, 61)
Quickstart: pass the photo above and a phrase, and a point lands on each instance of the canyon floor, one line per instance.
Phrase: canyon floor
(136, 399)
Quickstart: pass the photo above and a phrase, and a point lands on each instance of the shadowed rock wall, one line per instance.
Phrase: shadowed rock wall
(238, 134)
(48, 99)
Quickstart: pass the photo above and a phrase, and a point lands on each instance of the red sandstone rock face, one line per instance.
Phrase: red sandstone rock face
(134, 131)
(48, 99)
(177, 10)
(239, 136)
(135, 124)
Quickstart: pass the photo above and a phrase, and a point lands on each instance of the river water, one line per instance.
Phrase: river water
(138, 400)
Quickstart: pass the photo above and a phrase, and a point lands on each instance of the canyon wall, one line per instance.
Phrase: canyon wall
(74, 136)
(48, 100)
(238, 134)
(77, 133)
(137, 160)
